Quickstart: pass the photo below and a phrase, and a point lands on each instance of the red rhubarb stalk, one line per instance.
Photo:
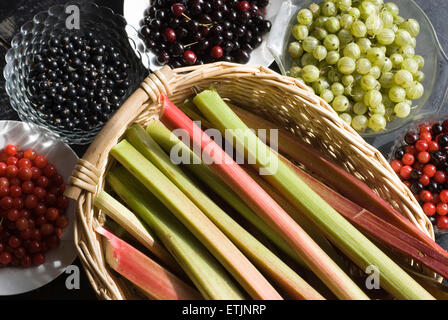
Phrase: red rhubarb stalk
(274, 215)
(339, 179)
(155, 281)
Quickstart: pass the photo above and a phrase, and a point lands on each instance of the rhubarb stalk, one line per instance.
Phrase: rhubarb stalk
(151, 278)
(274, 215)
(261, 256)
(127, 220)
(196, 221)
(344, 235)
(205, 272)
(342, 181)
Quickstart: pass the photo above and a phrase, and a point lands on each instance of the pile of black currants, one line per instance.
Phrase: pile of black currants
(189, 32)
(77, 82)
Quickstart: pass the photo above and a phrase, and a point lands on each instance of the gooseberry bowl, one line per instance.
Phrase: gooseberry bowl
(35, 35)
(427, 45)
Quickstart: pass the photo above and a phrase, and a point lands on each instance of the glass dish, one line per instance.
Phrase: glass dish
(435, 69)
(400, 142)
(108, 27)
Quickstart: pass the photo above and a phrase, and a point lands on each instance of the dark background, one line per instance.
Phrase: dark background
(14, 13)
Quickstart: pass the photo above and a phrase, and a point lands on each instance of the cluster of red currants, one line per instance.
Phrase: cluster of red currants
(32, 207)
(422, 164)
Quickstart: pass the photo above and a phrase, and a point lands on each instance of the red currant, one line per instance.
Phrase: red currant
(440, 177)
(40, 162)
(405, 172)
(423, 157)
(429, 170)
(396, 165)
(425, 196)
(442, 209)
(30, 154)
(442, 223)
(10, 149)
(421, 145)
(429, 208)
(408, 159)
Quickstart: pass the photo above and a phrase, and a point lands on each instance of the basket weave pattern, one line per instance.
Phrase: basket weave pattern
(283, 100)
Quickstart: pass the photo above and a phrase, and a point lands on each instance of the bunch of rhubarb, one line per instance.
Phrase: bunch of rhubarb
(236, 231)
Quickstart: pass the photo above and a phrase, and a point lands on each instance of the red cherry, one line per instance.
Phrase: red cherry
(423, 157)
(421, 145)
(178, 9)
(405, 172)
(425, 196)
(426, 136)
(408, 159)
(429, 170)
(217, 52)
(444, 196)
(429, 208)
(442, 209)
(442, 223)
(396, 165)
(190, 57)
(433, 146)
(170, 35)
(243, 6)
(440, 177)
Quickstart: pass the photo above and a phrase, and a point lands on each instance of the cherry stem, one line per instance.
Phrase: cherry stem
(201, 24)
(190, 44)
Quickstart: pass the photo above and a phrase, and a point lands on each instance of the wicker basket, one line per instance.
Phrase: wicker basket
(286, 101)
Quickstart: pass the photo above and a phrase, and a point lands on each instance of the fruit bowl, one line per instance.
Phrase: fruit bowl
(17, 280)
(427, 45)
(38, 36)
(133, 11)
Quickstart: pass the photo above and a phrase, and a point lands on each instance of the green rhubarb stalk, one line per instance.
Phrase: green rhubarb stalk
(169, 142)
(346, 237)
(128, 221)
(261, 256)
(196, 221)
(155, 281)
(202, 268)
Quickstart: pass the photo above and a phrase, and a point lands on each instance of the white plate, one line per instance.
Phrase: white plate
(133, 12)
(20, 280)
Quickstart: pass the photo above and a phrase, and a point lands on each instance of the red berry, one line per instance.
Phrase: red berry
(440, 177)
(63, 202)
(443, 195)
(6, 203)
(13, 214)
(38, 259)
(243, 6)
(396, 165)
(16, 191)
(40, 192)
(31, 201)
(17, 203)
(429, 208)
(28, 187)
(4, 191)
(442, 209)
(47, 229)
(425, 196)
(423, 157)
(429, 170)
(50, 171)
(26, 261)
(52, 214)
(30, 154)
(41, 209)
(62, 222)
(3, 167)
(36, 173)
(42, 181)
(190, 57)
(20, 252)
(433, 146)
(12, 161)
(408, 159)
(217, 52)
(425, 128)
(177, 9)
(14, 242)
(24, 163)
(421, 145)
(405, 172)
(22, 224)
(12, 171)
(426, 136)
(4, 182)
(170, 35)
(40, 162)
(10, 149)
(442, 223)
(5, 258)
(34, 246)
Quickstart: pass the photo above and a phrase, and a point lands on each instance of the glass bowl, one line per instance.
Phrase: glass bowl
(111, 29)
(435, 69)
(400, 142)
